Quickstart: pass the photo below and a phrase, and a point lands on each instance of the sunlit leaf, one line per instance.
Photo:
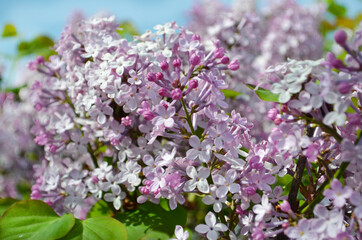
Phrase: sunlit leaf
(9, 31)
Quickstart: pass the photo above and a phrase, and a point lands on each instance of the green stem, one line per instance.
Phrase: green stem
(188, 117)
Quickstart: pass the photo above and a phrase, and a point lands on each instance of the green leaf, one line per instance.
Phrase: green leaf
(97, 228)
(355, 103)
(34, 220)
(151, 221)
(99, 209)
(265, 94)
(337, 9)
(39, 45)
(6, 203)
(127, 30)
(9, 31)
(230, 93)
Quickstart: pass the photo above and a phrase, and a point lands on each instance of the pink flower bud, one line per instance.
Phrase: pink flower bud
(250, 190)
(38, 106)
(219, 53)
(331, 58)
(344, 87)
(176, 63)
(35, 194)
(196, 37)
(176, 94)
(193, 84)
(278, 121)
(195, 59)
(163, 92)
(95, 179)
(151, 77)
(284, 108)
(340, 37)
(148, 182)
(144, 190)
(53, 148)
(126, 121)
(272, 113)
(148, 115)
(225, 60)
(233, 65)
(159, 75)
(285, 206)
(164, 65)
(115, 141)
(39, 60)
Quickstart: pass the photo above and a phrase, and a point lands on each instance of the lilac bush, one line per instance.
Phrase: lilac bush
(127, 122)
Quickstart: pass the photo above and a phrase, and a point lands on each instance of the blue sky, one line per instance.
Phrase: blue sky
(34, 17)
(50, 16)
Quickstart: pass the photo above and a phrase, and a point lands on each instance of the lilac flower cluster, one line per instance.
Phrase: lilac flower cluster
(257, 40)
(145, 120)
(18, 152)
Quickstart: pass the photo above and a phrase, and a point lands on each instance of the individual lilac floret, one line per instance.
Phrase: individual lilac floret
(262, 209)
(211, 228)
(328, 222)
(338, 194)
(302, 232)
(198, 179)
(180, 233)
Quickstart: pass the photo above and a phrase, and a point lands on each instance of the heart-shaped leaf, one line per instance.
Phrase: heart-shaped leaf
(151, 221)
(6, 203)
(33, 220)
(97, 228)
(264, 94)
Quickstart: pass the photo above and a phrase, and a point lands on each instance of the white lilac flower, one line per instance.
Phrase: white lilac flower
(211, 229)
(302, 232)
(214, 199)
(198, 179)
(180, 234)
(337, 193)
(226, 184)
(327, 222)
(200, 150)
(262, 209)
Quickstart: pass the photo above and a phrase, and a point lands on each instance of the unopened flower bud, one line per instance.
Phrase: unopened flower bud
(176, 63)
(272, 113)
(219, 53)
(163, 92)
(196, 37)
(340, 37)
(193, 84)
(278, 121)
(126, 121)
(176, 94)
(285, 206)
(151, 77)
(195, 59)
(250, 190)
(115, 141)
(159, 75)
(233, 65)
(53, 148)
(337, 63)
(284, 108)
(164, 65)
(344, 87)
(225, 60)
(148, 115)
